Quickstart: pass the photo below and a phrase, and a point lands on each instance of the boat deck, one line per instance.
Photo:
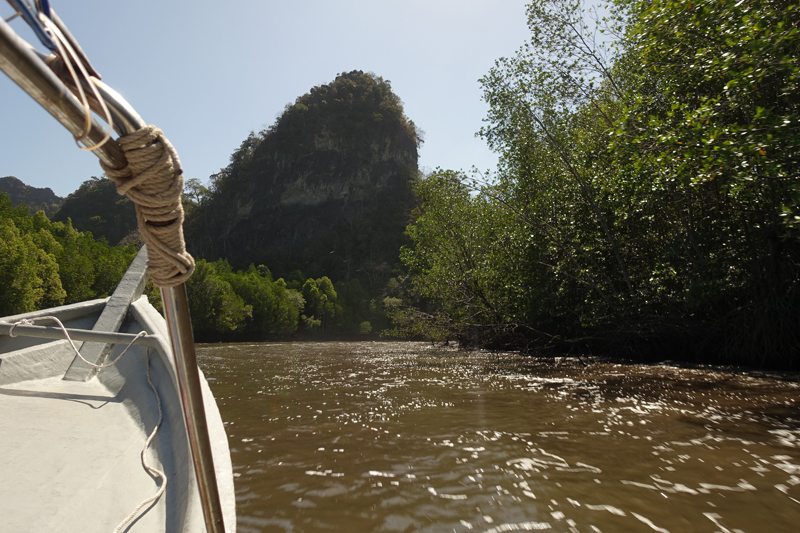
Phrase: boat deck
(73, 452)
(70, 449)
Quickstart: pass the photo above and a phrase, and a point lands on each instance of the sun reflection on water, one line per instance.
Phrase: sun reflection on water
(404, 437)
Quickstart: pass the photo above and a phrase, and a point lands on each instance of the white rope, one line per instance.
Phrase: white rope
(29, 322)
(154, 472)
(71, 60)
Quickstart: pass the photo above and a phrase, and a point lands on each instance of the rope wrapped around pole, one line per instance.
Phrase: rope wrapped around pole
(153, 180)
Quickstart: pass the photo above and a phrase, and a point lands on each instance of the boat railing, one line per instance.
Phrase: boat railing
(84, 335)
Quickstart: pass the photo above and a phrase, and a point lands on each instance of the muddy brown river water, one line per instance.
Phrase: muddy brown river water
(398, 437)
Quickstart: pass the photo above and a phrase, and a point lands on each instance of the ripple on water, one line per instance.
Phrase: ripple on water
(404, 437)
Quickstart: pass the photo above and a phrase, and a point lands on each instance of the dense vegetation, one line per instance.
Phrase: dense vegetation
(228, 305)
(646, 200)
(35, 198)
(44, 263)
(97, 207)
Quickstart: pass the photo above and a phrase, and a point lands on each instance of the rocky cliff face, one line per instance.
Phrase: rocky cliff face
(325, 190)
(344, 180)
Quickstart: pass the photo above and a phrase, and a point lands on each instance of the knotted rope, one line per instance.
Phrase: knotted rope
(153, 179)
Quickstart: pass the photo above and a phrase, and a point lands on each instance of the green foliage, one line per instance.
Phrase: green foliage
(356, 105)
(21, 271)
(354, 302)
(247, 304)
(727, 76)
(213, 305)
(722, 127)
(295, 280)
(88, 268)
(36, 199)
(464, 256)
(274, 312)
(98, 208)
(244, 304)
(45, 264)
(321, 303)
(194, 191)
(648, 183)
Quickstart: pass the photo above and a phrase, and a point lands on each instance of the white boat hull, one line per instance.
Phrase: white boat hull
(70, 451)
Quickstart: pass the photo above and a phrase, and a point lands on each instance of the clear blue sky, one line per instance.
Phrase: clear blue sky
(208, 73)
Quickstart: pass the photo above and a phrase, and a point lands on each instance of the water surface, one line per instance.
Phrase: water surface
(400, 437)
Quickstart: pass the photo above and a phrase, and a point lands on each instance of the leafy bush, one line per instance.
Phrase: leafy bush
(648, 188)
(44, 264)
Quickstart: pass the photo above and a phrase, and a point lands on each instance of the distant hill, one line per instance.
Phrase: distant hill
(326, 189)
(36, 198)
(97, 207)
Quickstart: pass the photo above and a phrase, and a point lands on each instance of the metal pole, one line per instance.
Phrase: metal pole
(21, 64)
(86, 335)
(176, 311)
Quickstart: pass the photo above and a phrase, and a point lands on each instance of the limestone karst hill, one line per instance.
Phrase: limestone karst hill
(36, 198)
(326, 189)
(97, 207)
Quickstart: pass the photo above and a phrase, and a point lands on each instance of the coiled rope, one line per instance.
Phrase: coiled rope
(153, 179)
(154, 472)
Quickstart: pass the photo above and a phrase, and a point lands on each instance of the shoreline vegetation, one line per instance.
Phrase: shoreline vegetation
(646, 203)
(645, 206)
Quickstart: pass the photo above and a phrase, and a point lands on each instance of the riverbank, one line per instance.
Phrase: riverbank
(760, 344)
